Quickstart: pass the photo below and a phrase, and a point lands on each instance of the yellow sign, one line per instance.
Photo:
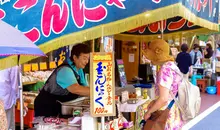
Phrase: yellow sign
(62, 58)
(34, 67)
(53, 65)
(102, 84)
(27, 67)
(43, 66)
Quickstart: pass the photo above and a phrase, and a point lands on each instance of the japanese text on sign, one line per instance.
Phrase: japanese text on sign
(102, 84)
(102, 57)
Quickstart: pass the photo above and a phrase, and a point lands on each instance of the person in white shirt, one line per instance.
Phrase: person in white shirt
(195, 54)
(217, 53)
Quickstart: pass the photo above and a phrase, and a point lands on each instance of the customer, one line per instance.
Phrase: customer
(208, 52)
(66, 83)
(184, 61)
(218, 51)
(9, 93)
(3, 121)
(195, 54)
(167, 81)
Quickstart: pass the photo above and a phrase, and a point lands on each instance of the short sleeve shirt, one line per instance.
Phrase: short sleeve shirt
(168, 78)
(217, 52)
(66, 77)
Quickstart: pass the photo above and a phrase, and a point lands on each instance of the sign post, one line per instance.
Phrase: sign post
(102, 85)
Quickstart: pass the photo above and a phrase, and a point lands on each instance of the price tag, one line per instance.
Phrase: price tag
(34, 67)
(53, 65)
(27, 67)
(43, 66)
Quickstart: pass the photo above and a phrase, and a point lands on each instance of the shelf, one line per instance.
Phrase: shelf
(31, 82)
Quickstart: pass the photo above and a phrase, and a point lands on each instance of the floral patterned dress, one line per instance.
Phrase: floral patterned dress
(3, 121)
(167, 77)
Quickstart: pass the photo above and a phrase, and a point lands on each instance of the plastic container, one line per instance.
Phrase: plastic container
(194, 78)
(144, 93)
(211, 90)
(138, 92)
(142, 85)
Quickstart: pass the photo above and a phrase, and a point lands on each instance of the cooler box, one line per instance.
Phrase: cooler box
(218, 87)
(28, 119)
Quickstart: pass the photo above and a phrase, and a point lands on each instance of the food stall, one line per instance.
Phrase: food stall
(69, 24)
(177, 30)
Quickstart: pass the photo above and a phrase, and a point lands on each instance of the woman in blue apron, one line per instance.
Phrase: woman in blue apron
(66, 83)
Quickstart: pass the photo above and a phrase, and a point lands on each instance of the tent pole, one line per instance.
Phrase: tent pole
(162, 30)
(191, 43)
(213, 61)
(21, 96)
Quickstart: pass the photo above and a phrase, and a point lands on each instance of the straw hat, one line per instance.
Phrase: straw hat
(158, 51)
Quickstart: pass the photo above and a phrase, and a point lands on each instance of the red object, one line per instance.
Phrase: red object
(202, 84)
(28, 119)
(218, 87)
(52, 120)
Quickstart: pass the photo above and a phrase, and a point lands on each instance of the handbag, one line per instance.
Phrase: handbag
(158, 119)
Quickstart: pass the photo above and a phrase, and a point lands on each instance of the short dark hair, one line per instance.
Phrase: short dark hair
(195, 46)
(209, 45)
(184, 47)
(79, 49)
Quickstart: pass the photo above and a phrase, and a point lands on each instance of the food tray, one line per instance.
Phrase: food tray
(132, 101)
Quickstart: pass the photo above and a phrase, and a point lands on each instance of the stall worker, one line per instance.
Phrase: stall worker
(208, 52)
(195, 54)
(217, 53)
(66, 83)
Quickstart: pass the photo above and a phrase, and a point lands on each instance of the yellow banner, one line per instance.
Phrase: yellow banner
(102, 84)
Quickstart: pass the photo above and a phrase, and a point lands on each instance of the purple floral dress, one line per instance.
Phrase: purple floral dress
(168, 78)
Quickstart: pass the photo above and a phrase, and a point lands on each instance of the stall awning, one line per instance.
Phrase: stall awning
(52, 24)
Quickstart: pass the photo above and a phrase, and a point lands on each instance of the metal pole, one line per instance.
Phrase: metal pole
(214, 57)
(102, 50)
(21, 102)
(162, 29)
(103, 123)
(102, 41)
(21, 96)
(93, 45)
